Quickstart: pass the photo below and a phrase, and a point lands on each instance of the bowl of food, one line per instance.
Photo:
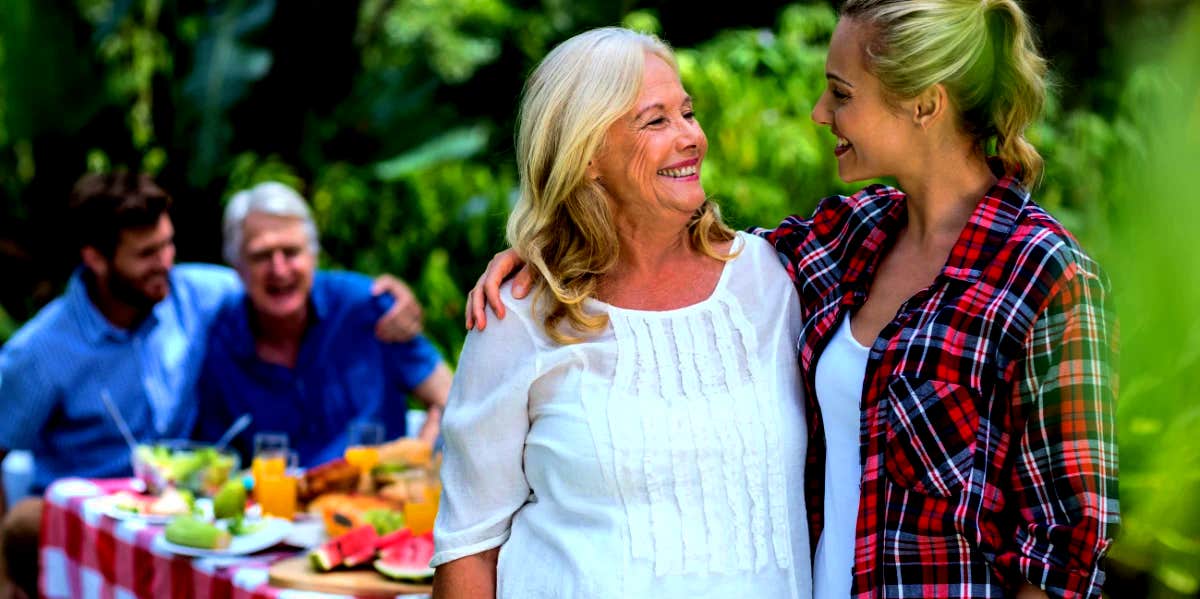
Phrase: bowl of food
(184, 465)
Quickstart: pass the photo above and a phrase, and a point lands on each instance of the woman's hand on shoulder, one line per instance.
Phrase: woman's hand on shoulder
(487, 289)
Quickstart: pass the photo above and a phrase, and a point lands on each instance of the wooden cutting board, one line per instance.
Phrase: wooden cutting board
(297, 573)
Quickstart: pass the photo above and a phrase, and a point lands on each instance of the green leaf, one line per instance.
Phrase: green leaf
(45, 85)
(224, 69)
(458, 144)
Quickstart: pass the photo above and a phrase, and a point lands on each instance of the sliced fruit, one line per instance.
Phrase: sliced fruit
(352, 545)
(325, 558)
(190, 532)
(407, 559)
(359, 558)
(392, 538)
(230, 501)
(342, 512)
(385, 521)
(403, 571)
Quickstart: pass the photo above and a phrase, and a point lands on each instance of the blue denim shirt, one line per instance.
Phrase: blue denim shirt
(55, 368)
(343, 373)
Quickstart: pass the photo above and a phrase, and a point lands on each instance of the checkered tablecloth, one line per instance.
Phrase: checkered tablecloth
(87, 554)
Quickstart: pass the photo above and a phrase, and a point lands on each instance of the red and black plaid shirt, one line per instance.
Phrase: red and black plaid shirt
(989, 454)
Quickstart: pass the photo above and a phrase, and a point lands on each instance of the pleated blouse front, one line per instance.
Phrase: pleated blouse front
(662, 457)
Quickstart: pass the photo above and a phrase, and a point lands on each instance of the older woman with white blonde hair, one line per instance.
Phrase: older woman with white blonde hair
(636, 426)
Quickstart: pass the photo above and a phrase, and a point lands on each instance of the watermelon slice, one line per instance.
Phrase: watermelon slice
(392, 538)
(360, 557)
(350, 546)
(325, 558)
(407, 559)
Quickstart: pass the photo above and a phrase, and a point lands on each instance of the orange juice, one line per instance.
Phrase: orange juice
(264, 466)
(362, 457)
(276, 494)
(419, 515)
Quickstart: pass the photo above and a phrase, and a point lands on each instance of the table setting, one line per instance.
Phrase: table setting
(193, 523)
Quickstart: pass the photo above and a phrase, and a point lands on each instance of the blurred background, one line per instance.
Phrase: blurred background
(395, 119)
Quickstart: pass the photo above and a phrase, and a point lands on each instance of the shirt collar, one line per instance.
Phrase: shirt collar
(95, 326)
(889, 218)
(990, 225)
(318, 301)
(241, 330)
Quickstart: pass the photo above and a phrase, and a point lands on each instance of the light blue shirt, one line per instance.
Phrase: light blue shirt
(55, 368)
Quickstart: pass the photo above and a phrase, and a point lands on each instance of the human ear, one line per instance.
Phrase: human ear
(929, 105)
(592, 171)
(94, 261)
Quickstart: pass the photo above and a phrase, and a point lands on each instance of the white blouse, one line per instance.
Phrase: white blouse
(663, 457)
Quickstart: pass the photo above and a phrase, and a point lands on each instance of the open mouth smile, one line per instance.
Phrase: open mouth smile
(842, 147)
(685, 170)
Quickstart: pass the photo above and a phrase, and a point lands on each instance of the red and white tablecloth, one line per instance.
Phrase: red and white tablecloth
(85, 553)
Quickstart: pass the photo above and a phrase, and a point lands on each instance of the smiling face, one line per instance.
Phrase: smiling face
(650, 161)
(277, 264)
(137, 272)
(875, 139)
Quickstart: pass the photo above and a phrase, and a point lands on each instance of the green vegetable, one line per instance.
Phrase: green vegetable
(203, 469)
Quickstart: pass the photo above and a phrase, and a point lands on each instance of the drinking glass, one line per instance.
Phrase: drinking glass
(424, 495)
(270, 457)
(275, 490)
(421, 509)
(362, 439)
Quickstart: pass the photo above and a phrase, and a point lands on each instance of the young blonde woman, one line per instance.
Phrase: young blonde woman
(957, 341)
(636, 428)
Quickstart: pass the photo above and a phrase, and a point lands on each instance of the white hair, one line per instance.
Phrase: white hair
(273, 198)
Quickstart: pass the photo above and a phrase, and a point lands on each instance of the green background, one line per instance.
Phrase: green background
(395, 119)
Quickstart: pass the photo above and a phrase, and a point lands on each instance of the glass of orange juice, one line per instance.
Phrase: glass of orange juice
(270, 458)
(425, 492)
(275, 489)
(362, 439)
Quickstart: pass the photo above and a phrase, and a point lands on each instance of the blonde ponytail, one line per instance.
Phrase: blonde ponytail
(1020, 90)
(982, 51)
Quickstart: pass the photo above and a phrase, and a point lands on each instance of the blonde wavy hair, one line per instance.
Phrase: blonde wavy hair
(982, 51)
(562, 225)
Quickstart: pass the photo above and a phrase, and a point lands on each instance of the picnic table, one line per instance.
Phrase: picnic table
(86, 553)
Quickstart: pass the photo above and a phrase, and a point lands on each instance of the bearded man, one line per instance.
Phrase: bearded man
(130, 328)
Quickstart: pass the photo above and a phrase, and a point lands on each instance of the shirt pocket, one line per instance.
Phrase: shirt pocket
(931, 428)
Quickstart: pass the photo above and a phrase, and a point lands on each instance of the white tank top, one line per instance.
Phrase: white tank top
(841, 371)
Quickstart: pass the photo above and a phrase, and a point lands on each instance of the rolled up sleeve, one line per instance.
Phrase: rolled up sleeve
(484, 427)
(1065, 474)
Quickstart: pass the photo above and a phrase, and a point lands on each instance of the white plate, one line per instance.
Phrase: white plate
(273, 530)
(306, 533)
(107, 505)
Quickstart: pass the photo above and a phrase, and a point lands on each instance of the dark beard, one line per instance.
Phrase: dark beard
(124, 290)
